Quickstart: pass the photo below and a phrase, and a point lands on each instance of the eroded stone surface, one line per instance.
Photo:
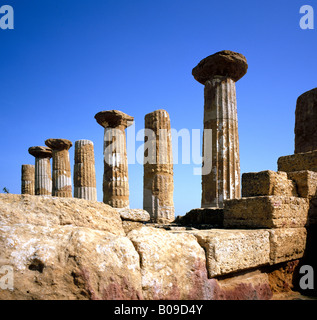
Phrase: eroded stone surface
(306, 183)
(306, 122)
(115, 177)
(84, 171)
(298, 162)
(230, 251)
(287, 244)
(223, 63)
(267, 183)
(158, 183)
(28, 179)
(61, 173)
(137, 215)
(266, 212)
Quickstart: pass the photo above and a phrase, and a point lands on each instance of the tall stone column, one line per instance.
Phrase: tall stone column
(28, 179)
(158, 184)
(306, 122)
(218, 73)
(62, 182)
(43, 175)
(115, 178)
(84, 171)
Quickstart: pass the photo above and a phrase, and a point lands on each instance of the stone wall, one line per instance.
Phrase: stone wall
(67, 248)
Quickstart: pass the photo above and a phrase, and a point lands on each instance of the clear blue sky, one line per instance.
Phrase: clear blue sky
(67, 60)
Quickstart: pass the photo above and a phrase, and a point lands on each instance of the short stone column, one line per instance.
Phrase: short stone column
(28, 179)
(158, 184)
(84, 171)
(306, 122)
(115, 178)
(62, 182)
(43, 175)
(218, 73)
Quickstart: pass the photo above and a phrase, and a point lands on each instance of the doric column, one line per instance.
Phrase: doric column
(218, 73)
(306, 122)
(115, 178)
(84, 171)
(62, 182)
(158, 184)
(43, 175)
(28, 179)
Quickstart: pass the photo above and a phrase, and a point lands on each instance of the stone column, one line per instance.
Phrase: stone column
(158, 184)
(84, 171)
(218, 73)
(115, 178)
(306, 122)
(62, 182)
(43, 175)
(28, 179)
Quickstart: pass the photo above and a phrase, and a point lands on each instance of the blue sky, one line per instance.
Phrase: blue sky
(67, 60)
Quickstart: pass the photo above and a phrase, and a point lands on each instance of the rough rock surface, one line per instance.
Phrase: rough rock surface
(266, 212)
(306, 122)
(137, 215)
(223, 63)
(267, 183)
(202, 216)
(173, 266)
(298, 162)
(47, 211)
(306, 183)
(233, 250)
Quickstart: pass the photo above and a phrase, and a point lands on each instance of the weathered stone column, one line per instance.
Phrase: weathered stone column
(43, 175)
(115, 178)
(62, 182)
(84, 171)
(218, 73)
(28, 179)
(306, 122)
(158, 184)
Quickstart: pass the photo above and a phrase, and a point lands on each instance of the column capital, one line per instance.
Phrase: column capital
(40, 152)
(223, 63)
(58, 144)
(114, 119)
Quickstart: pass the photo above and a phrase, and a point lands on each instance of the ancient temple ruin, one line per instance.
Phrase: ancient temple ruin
(115, 178)
(218, 73)
(28, 179)
(158, 184)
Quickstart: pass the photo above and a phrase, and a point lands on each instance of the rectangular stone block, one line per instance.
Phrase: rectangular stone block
(306, 182)
(298, 162)
(230, 251)
(202, 216)
(267, 183)
(287, 244)
(266, 212)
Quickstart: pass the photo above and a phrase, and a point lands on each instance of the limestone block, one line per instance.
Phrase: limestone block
(287, 244)
(306, 122)
(298, 162)
(28, 179)
(230, 251)
(69, 263)
(306, 182)
(173, 266)
(138, 215)
(267, 183)
(54, 211)
(266, 212)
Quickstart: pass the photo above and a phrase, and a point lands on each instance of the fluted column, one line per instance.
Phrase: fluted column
(43, 175)
(62, 183)
(28, 179)
(84, 171)
(158, 184)
(218, 73)
(115, 178)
